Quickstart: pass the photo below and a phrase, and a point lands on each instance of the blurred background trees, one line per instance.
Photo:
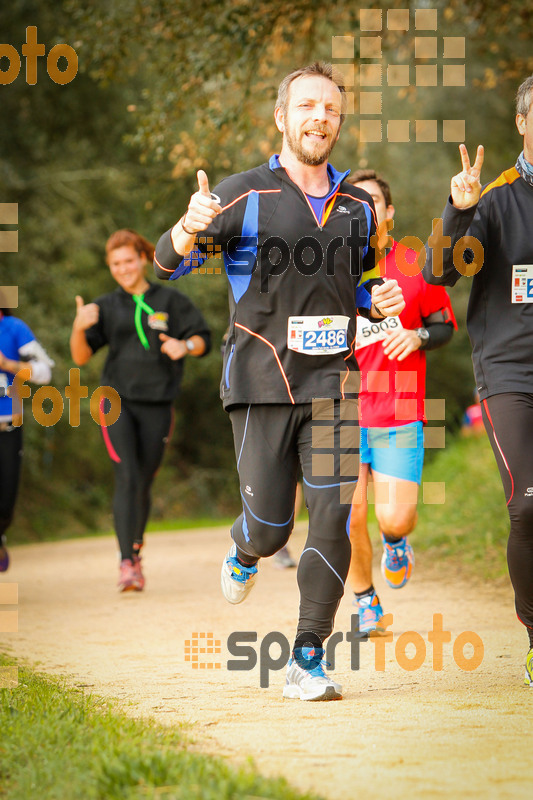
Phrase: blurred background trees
(164, 88)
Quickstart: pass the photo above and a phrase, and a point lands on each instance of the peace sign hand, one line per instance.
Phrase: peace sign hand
(466, 186)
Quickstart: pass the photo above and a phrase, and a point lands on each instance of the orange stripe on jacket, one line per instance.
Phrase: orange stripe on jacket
(507, 177)
(238, 325)
(358, 200)
(258, 191)
(327, 211)
(164, 268)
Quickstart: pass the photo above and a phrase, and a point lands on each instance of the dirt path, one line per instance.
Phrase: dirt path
(397, 733)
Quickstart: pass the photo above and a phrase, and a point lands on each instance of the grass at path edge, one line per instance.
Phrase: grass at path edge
(58, 743)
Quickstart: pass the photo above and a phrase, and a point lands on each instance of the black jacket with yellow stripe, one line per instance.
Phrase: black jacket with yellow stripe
(283, 261)
(501, 331)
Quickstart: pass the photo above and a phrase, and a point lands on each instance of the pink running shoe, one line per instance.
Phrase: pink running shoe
(137, 571)
(127, 579)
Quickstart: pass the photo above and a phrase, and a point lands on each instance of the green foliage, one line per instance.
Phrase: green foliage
(64, 160)
(165, 87)
(472, 525)
(58, 744)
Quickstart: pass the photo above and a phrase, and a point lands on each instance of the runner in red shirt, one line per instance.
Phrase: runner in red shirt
(392, 360)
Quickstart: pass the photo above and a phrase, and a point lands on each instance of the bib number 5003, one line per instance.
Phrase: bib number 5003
(378, 327)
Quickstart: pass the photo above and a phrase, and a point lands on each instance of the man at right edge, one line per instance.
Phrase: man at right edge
(499, 254)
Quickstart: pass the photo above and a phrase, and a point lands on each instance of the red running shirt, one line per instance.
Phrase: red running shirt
(392, 392)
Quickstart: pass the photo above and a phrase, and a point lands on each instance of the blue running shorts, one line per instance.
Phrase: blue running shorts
(398, 452)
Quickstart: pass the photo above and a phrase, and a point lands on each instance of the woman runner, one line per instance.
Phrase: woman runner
(149, 330)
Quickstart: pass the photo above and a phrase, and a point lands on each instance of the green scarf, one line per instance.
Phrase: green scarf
(141, 306)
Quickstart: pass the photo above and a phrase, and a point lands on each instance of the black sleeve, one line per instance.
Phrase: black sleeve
(96, 335)
(440, 334)
(188, 321)
(365, 309)
(456, 223)
(166, 260)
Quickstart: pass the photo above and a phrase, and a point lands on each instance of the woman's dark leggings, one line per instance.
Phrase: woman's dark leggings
(135, 443)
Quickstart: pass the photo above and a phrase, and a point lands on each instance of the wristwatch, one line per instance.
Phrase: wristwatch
(423, 335)
(189, 344)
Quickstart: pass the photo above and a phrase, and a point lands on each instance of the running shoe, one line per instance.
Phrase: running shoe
(528, 680)
(127, 580)
(397, 562)
(283, 559)
(312, 682)
(4, 555)
(137, 571)
(370, 613)
(236, 580)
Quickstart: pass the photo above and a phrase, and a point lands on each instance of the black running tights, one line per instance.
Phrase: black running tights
(271, 442)
(10, 461)
(508, 420)
(135, 443)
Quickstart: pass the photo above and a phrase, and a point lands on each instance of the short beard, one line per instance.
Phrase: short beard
(304, 157)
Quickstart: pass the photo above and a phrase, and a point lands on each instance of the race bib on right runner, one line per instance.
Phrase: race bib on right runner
(371, 331)
(522, 285)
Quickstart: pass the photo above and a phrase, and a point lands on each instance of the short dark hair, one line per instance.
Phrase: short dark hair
(371, 175)
(523, 97)
(320, 68)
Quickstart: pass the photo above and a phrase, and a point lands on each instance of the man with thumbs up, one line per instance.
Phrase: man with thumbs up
(297, 242)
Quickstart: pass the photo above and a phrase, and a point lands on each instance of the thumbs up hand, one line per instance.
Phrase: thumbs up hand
(86, 315)
(203, 207)
(203, 183)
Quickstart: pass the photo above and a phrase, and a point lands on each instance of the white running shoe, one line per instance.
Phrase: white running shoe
(236, 580)
(312, 683)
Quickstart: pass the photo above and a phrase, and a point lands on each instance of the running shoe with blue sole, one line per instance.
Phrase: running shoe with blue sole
(370, 613)
(397, 562)
(236, 580)
(306, 678)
